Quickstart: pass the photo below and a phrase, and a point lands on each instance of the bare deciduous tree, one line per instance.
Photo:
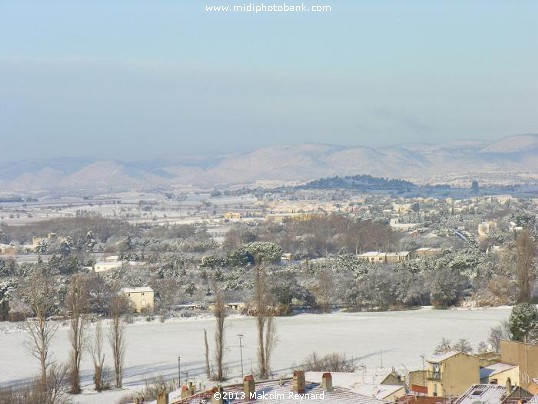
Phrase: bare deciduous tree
(443, 347)
(324, 290)
(525, 265)
(207, 368)
(333, 362)
(39, 292)
(270, 340)
(497, 334)
(55, 392)
(261, 310)
(77, 303)
(482, 348)
(220, 315)
(463, 345)
(98, 356)
(117, 336)
(56, 389)
(264, 321)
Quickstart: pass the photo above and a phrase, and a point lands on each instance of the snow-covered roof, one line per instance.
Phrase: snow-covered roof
(142, 289)
(443, 357)
(483, 394)
(384, 254)
(494, 369)
(379, 391)
(348, 380)
(365, 383)
(370, 254)
(109, 263)
(277, 391)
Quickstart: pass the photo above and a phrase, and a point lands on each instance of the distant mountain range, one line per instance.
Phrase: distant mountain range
(508, 160)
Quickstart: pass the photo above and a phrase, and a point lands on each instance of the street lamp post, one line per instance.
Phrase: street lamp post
(179, 370)
(241, 352)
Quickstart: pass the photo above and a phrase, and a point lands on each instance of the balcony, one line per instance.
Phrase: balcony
(433, 375)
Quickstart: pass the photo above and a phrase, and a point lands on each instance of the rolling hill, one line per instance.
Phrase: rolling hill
(513, 158)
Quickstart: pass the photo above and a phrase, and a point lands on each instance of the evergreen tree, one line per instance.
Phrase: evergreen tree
(523, 322)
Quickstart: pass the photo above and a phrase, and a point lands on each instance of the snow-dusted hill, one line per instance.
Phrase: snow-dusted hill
(512, 157)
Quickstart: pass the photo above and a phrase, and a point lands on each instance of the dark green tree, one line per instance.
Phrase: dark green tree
(523, 323)
(264, 252)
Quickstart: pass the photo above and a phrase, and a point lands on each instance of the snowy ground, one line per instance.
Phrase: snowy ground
(371, 339)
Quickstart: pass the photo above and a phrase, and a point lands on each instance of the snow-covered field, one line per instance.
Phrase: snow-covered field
(372, 339)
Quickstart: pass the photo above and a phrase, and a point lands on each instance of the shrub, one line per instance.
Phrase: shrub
(332, 362)
(150, 391)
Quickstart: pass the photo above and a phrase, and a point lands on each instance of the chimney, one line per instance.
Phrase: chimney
(249, 387)
(327, 382)
(162, 396)
(217, 398)
(508, 387)
(298, 382)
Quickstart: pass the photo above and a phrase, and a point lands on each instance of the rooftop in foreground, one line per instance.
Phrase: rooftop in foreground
(281, 391)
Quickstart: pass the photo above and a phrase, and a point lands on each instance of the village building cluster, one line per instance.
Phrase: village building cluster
(510, 377)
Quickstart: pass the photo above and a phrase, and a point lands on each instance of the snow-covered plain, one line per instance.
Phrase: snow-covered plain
(374, 340)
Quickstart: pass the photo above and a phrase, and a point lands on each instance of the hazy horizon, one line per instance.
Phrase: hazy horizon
(140, 80)
(214, 156)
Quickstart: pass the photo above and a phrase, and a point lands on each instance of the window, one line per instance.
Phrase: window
(436, 371)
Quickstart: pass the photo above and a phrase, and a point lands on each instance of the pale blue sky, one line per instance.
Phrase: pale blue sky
(160, 79)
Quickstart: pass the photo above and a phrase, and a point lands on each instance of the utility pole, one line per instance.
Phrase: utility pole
(241, 353)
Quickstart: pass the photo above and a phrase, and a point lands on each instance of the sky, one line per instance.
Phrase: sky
(152, 79)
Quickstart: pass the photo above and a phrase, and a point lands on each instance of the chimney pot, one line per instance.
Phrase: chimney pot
(249, 387)
(219, 400)
(508, 386)
(299, 383)
(327, 382)
(162, 397)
